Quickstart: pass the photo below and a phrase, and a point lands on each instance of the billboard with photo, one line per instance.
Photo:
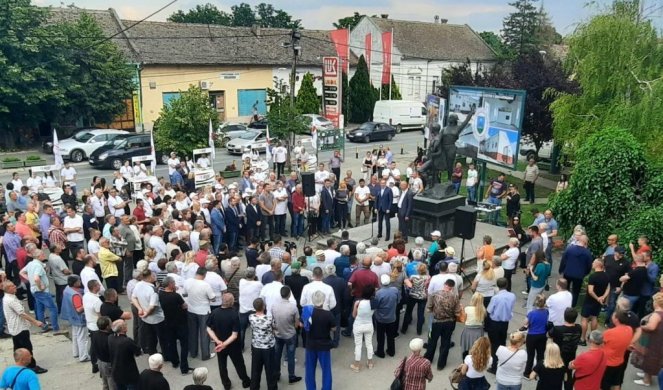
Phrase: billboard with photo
(435, 107)
(493, 133)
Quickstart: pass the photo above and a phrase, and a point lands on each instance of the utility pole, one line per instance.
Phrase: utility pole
(295, 36)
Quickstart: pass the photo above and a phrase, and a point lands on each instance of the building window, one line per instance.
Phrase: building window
(170, 96)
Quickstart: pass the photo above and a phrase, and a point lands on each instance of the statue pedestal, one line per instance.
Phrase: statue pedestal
(434, 214)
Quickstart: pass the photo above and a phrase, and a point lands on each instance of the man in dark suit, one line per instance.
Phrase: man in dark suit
(254, 219)
(233, 222)
(383, 202)
(326, 206)
(405, 203)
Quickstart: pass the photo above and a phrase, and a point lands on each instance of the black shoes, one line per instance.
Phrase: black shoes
(380, 355)
(39, 370)
(294, 379)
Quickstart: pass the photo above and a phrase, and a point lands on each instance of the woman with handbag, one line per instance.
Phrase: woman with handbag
(474, 323)
(475, 365)
(414, 370)
(511, 361)
(652, 352)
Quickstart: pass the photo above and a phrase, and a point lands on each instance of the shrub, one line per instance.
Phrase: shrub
(645, 221)
(33, 158)
(10, 159)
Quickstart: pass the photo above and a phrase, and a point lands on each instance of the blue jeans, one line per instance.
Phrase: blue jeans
(217, 239)
(456, 187)
(312, 357)
(337, 323)
(612, 303)
(2, 318)
(44, 300)
(508, 387)
(660, 380)
(472, 193)
(633, 300)
(119, 386)
(232, 239)
(495, 215)
(298, 224)
(291, 345)
(326, 223)
(243, 325)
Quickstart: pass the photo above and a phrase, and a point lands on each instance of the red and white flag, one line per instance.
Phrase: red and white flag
(56, 150)
(268, 150)
(387, 38)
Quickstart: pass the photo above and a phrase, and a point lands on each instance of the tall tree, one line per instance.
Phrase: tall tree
(275, 18)
(546, 34)
(617, 60)
(495, 42)
(204, 14)
(349, 21)
(308, 101)
(395, 91)
(362, 94)
(520, 27)
(183, 124)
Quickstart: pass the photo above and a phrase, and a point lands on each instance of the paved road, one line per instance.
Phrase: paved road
(407, 141)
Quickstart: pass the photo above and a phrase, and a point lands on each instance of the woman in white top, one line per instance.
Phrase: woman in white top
(485, 282)
(475, 365)
(473, 330)
(190, 266)
(510, 260)
(511, 362)
(363, 328)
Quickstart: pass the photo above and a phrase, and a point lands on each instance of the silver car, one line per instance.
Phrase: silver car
(251, 140)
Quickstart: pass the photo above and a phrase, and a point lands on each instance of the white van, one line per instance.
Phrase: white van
(402, 114)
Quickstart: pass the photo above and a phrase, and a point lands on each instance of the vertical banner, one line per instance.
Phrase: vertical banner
(56, 150)
(153, 163)
(368, 43)
(331, 89)
(210, 141)
(341, 39)
(268, 148)
(386, 57)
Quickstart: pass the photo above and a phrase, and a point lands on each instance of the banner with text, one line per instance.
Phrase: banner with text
(368, 43)
(386, 57)
(331, 89)
(341, 39)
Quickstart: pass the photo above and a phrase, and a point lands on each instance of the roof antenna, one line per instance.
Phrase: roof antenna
(209, 31)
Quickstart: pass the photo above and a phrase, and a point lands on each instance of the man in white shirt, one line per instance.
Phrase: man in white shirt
(416, 184)
(88, 273)
(17, 182)
(203, 161)
(68, 174)
(380, 266)
(115, 203)
(92, 305)
(558, 302)
(394, 172)
(215, 281)
(194, 237)
(140, 170)
(362, 195)
(249, 290)
(199, 296)
(156, 242)
(318, 285)
(126, 171)
(331, 254)
(320, 176)
(271, 292)
(145, 299)
(98, 201)
(280, 153)
(281, 209)
(173, 162)
(73, 228)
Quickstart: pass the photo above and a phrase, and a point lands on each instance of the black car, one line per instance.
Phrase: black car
(372, 131)
(260, 124)
(113, 154)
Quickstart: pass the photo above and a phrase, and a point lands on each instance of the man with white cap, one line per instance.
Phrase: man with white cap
(418, 367)
(386, 299)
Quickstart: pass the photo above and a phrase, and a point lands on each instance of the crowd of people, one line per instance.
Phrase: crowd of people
(200, 267)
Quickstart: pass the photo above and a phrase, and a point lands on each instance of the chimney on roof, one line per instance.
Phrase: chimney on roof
(437, 19)
(255, 29)
(384, 16)
(444, 21)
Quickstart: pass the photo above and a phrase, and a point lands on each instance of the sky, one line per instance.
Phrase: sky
(481, 15)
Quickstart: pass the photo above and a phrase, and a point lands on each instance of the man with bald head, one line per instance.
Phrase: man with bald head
(18, 376)
(363, 276)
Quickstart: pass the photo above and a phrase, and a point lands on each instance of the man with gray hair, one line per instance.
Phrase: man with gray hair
(194, 237)
(286, 320)
(386, 299)
(215, 281)
(418, 245)
(318, 324)
(340, 289)
(343, 261)
(123, 351)
(199, 377)
(373, 248)
(590, 366)
(175, 325)
(249, 290)
(416, 363)
(152, 378)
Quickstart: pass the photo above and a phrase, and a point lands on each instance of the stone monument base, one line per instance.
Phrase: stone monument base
(434, 214)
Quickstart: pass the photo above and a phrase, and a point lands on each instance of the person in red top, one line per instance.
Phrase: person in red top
(643, 246)
(615, 342)
(361, 277)
(203, 252)
(298, 208)
(417, 368)
(22, 228)
(590, 366)
(139, 212)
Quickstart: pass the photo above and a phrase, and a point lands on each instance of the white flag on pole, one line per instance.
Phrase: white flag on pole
(153, 164)
(314, 138)
(211, 140)
(56, 150)
(268, 150)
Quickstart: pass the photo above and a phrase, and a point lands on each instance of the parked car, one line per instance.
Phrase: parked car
(85, 142)
(402, 114)
(63, 133)
(228, 131)
(528, 150)
(372, 131)
(316, 121)
(260, 124)
(251, 140)
(132, 146)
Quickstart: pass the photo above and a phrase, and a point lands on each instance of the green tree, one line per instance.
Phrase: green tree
(184, 123)
(345, 107)
(308, 101)
(606, 185)
(204, 14)
(99, 78)
(617, 60)
(276, 18)
(362, 94)
(349, 21)
(395, 92)
(519, 29)
(243, 15)
(546, 34)
(495, 42)
(283, 117)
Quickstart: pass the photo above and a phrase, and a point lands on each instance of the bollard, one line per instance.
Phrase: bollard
(402, 149)
(357, 152)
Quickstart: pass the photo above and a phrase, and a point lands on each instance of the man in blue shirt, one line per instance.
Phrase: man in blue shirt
(386, 299)
(20, 377)
(575, 265)
(500, 311)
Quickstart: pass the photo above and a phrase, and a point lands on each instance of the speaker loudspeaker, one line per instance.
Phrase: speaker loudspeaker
(308, 184)
(465, 222)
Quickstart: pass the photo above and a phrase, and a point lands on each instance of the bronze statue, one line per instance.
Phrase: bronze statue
(442, 150)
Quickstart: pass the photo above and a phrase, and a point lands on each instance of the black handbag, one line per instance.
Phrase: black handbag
(399, 381)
